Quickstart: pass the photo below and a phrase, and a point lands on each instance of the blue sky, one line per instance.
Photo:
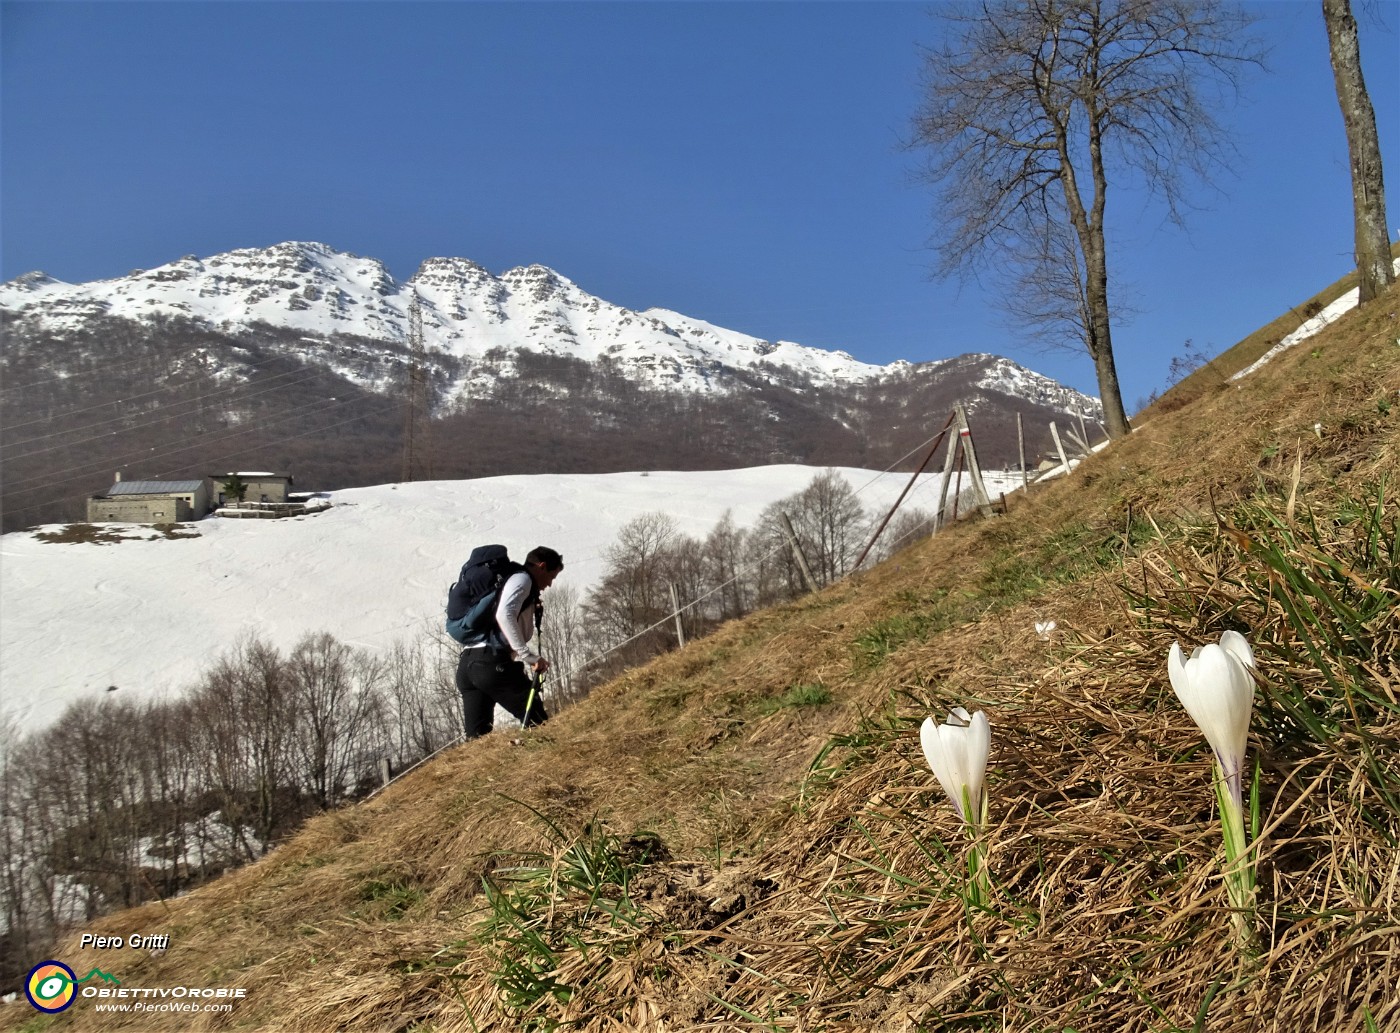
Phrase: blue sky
(738, 162)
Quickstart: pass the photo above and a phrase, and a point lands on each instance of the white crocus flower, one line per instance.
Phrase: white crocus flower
(1217, 690)
(957, 752)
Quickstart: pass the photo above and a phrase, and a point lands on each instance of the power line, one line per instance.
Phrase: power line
(216, 459)
(106, 463)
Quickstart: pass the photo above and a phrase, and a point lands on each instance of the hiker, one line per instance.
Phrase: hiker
(494, 671)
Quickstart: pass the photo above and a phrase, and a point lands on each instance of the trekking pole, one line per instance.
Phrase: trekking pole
(535, 676)
(530, 699)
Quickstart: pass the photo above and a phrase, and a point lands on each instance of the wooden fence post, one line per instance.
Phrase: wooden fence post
(957, 484)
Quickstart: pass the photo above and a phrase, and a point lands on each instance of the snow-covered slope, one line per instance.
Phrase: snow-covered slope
(1327, 316)
(150, 614)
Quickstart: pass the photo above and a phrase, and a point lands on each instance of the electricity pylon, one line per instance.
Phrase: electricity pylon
(417, 440)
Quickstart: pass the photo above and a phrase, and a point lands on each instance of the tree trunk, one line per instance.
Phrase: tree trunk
(1088, 226)
(1373, 263)
(1101, 340)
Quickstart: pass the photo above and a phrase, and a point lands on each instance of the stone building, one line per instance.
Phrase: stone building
(262, 487)
(150, 502)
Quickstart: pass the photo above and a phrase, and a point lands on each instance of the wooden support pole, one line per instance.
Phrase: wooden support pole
(954, 442)
(807, 577)
(1059, 446)
(386, 770)
(974, 469)
(676, 609)
(957, 486)
(881, 529)
(1021, 448)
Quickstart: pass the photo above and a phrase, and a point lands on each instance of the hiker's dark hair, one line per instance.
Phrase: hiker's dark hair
(545, 557)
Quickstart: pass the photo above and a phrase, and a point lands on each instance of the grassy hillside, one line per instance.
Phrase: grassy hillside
(744, 835)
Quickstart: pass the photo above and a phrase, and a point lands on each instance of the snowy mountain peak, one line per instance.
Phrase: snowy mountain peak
(448, 270)
(32, 281)
(536, 273)
(468, 313)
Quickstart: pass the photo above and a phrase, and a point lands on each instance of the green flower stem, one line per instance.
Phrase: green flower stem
(979, 888)
(1240, 862)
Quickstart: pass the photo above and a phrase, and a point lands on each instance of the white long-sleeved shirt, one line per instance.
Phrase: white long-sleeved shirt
(516, 618)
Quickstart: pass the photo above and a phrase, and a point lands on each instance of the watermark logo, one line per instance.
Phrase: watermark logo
(51, 986)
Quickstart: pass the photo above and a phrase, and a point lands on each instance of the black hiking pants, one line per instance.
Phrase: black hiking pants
(486, 677)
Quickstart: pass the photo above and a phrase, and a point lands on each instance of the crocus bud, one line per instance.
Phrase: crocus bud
(957, 752)
(1217, 690)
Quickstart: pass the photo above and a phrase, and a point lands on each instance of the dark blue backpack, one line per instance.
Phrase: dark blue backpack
(472, 600)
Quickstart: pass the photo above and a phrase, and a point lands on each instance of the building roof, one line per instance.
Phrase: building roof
(154, 487)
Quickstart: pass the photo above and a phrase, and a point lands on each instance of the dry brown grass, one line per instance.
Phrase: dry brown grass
(807, 875)
(106, 534)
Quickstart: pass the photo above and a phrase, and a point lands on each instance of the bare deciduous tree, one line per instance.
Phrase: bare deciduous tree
(245, 719)
(120, 801)
(830, 526)
(770, 570)
(422, 707)
(26, 858)
(1374, 267)
(633, 595)
(724, 557)
(171, 792)
(565, 640)
(1032, 108)
(333, 691)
